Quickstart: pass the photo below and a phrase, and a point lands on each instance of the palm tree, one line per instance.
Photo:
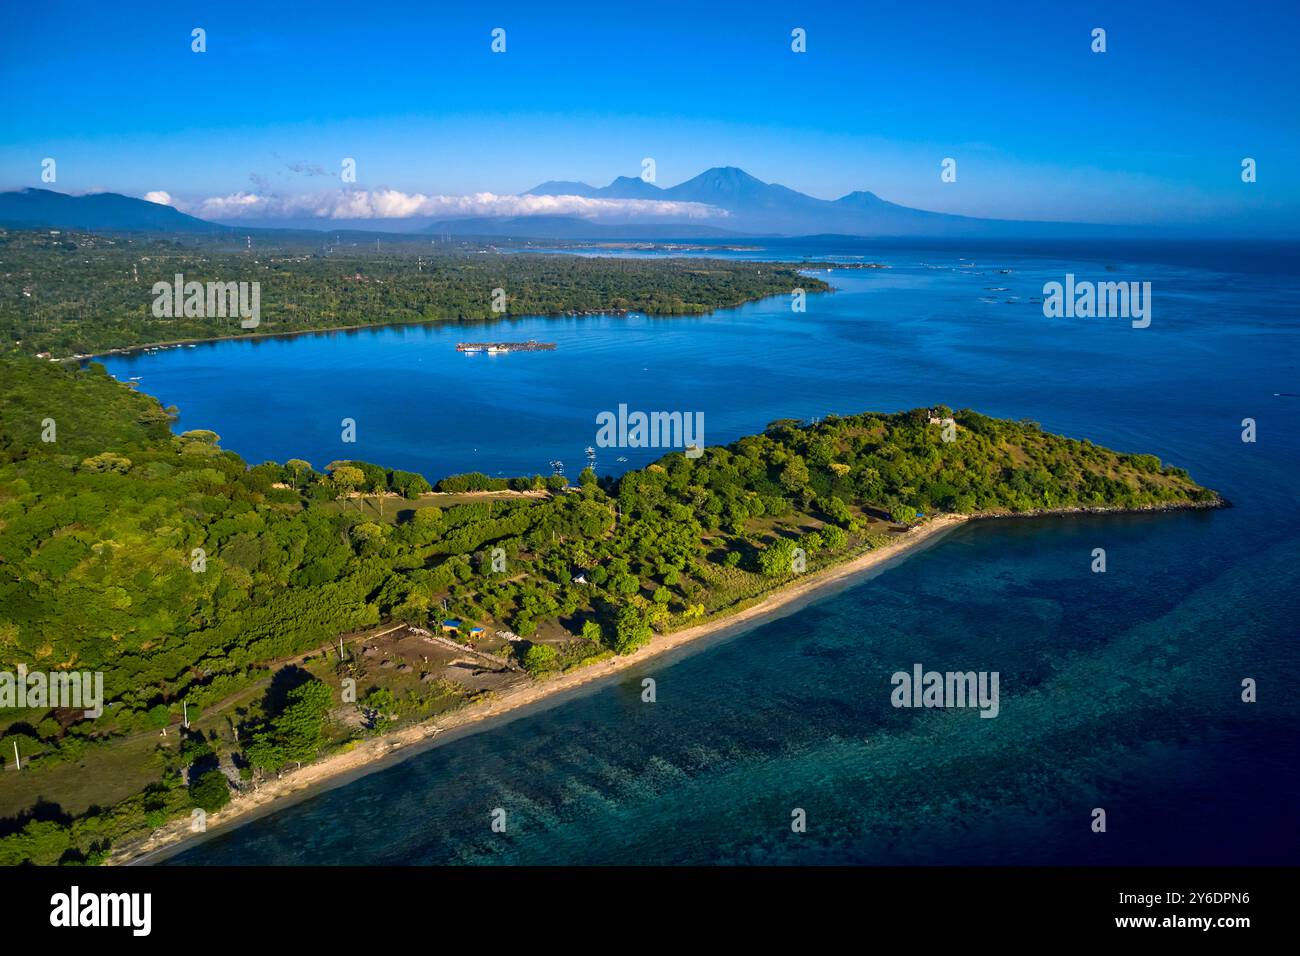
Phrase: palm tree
(297, 465)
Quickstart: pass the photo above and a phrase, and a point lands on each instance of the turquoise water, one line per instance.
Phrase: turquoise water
(1118, 690)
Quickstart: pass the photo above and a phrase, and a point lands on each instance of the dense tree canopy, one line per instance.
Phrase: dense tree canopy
(82, 293)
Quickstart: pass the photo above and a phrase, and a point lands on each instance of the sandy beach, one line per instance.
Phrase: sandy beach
(297, 783)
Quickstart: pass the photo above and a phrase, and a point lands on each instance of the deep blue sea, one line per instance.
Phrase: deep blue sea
(1119, 691)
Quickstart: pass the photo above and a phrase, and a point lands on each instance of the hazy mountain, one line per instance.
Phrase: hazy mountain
(556, 187)
(105, 212)
(758, 208)
(734, 189)
(631, 187)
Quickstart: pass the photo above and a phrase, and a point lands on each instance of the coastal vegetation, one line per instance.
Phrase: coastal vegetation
(71, 293)
(231, 606)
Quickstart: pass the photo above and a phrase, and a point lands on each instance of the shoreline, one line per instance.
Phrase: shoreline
(375, 753)
(1217, 502)
(369, 754)
(124, 350)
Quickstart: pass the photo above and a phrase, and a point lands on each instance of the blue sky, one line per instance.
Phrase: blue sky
(1152, 131)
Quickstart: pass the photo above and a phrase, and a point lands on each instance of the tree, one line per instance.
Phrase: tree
(346, 478)
(427, 519)
(210, 791)
(540, 659)
(902, 514)
(408, 484)
(631, 631)
(379, 707)
(777, 558)
(194, 749)
(833, 537)
(369, 536)
(624, 584)
(835, 509)
(297, 733)
(794, 476)
(591, 631)
(107, 461)
(42, 842)
(297, 468)
(203, 435)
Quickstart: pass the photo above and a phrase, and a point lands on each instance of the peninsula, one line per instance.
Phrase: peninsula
(262, 628)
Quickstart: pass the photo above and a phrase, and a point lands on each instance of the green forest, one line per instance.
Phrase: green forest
(80, 293)
(104, 514)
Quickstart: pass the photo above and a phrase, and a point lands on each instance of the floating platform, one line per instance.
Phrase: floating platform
(529, 346)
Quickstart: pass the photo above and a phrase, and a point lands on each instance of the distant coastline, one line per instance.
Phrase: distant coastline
(315, 294)
(294, 333)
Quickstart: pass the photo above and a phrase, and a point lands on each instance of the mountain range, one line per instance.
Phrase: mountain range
(757, 208)
(747, 207)
(96, 212)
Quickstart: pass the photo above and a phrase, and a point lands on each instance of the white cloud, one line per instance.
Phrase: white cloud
(394, 204)
(160, 197)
